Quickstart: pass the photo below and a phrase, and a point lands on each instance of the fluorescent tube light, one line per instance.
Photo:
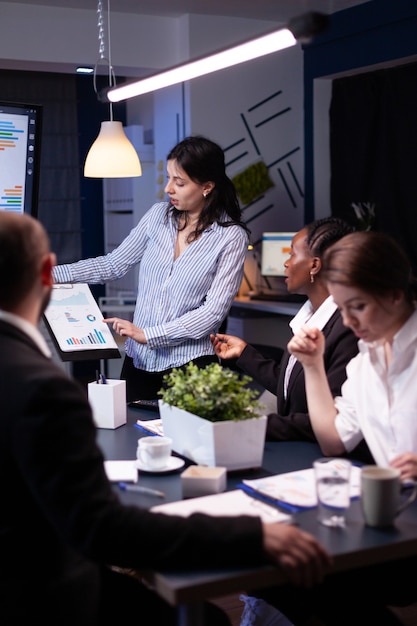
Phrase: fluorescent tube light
(239, 54)
(300, 28)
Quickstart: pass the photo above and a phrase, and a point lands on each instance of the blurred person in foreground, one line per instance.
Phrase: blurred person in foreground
(63, 530)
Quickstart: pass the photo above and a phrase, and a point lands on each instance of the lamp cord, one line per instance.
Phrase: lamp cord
(102, 50)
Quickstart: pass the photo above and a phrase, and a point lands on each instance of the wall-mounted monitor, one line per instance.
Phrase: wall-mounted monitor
(275, 250)
(20, 143)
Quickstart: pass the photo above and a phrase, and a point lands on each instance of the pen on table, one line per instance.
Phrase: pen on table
(140, 489)
(279, 504)
(100, 379)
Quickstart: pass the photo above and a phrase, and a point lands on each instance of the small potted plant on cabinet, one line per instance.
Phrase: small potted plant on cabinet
(213, 417)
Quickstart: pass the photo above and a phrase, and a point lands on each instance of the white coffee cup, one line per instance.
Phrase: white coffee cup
(381, 497)
(154, 452)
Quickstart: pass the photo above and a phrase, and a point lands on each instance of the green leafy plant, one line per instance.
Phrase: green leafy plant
(213, 393)
(252, 182)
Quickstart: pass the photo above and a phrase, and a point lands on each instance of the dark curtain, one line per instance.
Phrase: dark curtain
(373, 145)
(59, 188)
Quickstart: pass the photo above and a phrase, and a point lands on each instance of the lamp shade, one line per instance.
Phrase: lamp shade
(112, 155)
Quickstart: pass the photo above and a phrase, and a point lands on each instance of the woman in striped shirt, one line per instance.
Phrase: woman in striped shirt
(190, 252)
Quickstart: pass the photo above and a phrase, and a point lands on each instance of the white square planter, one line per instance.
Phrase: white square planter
(234, 445)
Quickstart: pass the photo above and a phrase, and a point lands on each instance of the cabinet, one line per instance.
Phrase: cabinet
(125, 201)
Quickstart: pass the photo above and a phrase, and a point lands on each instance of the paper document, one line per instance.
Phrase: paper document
(154, 427)
(125, 471)
(76, 321)
(296, 489)
(229, 503)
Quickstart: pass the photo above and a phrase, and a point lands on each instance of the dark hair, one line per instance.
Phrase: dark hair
(203, 160)
(322, 233)
(371, 261)
(22, 244)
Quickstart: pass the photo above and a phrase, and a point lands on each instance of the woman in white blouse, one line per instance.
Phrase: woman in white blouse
(370, 280)
(190, 252)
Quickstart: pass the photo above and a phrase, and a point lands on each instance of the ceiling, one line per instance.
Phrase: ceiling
(274, 10)
(277, 11)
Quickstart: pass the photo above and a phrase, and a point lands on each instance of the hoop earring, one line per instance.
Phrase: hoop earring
(311, 277)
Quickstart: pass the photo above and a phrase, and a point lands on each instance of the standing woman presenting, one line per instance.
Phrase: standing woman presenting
(190, 252)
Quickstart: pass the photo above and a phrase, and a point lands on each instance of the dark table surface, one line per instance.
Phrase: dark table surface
(122, 442)
(354, 545)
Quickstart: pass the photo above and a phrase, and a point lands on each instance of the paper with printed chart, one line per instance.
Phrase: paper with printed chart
(297, 489)
(76, 325)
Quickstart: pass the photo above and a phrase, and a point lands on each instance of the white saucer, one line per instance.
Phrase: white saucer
(174, 463)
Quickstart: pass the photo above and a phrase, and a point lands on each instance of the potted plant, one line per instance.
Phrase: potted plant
(213, 416)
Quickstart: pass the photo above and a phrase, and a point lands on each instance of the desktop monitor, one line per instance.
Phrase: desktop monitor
(20, 140)
(275, 250)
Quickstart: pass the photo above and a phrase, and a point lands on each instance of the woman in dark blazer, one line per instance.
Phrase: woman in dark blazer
(285, 379)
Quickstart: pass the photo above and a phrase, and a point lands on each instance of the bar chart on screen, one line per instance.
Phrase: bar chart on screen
(20, 139)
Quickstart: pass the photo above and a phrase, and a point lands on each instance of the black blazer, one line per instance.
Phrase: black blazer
(61, 520)
(292, 422)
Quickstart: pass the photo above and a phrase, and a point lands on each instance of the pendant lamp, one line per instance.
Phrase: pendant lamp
(112, 155)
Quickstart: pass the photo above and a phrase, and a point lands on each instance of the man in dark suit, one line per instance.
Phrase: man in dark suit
(62, 527)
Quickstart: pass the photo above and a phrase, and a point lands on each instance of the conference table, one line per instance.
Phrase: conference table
(355, 545)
